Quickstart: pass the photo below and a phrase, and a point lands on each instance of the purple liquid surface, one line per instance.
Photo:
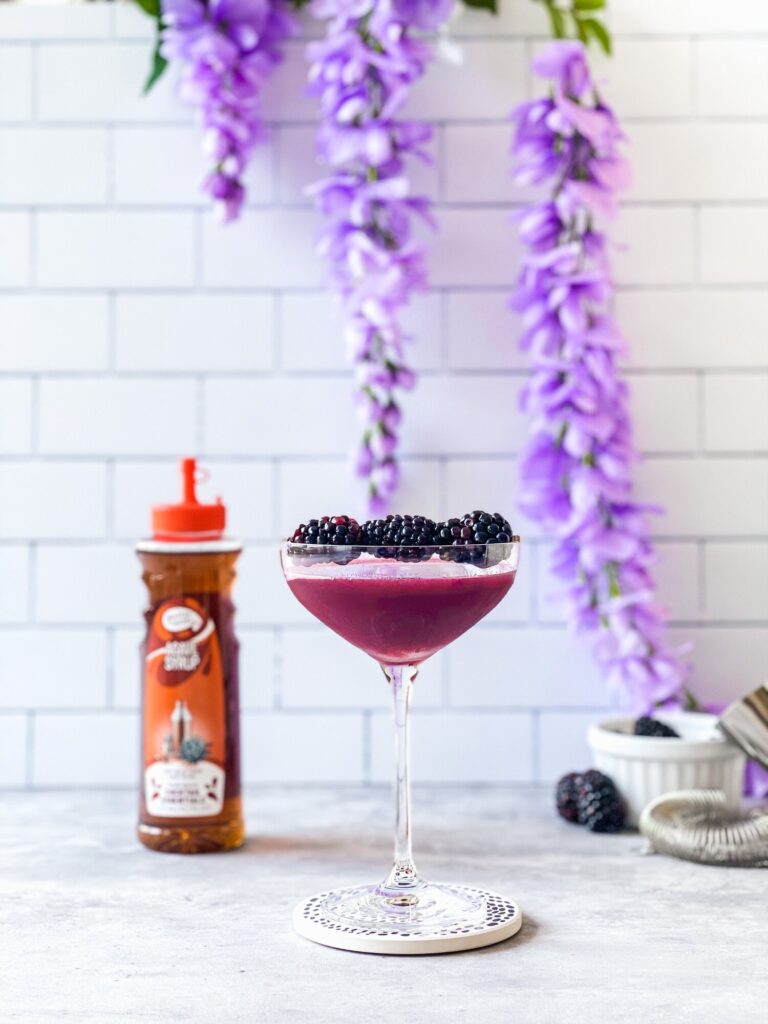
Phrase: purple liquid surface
(401, 620)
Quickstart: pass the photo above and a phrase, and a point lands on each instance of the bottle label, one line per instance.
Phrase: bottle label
(184, 713)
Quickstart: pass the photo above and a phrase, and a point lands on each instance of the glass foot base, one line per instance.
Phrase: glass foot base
(429, 919)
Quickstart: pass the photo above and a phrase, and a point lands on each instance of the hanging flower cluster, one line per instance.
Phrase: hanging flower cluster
(227, 49)
(576, 471)
(362, 73)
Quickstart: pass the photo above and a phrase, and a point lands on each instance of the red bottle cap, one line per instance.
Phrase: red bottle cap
(189, 520)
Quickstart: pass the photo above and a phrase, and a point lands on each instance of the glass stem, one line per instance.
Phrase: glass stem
(403, 874)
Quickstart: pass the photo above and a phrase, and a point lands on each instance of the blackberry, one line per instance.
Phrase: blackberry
(600, 806)
(313, 538)
(476, 527)
(328, 530)
(402, 537)
(647, 726)
(566, 793)
(484, 528)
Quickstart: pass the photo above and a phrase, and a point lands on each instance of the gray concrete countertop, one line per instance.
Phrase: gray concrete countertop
(95, 929)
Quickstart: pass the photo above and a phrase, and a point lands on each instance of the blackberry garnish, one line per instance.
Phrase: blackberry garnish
(566, 796)
(599, 804)
(485, 528)
(316, 535)
(408, 538)
(328, 530)
(476, 527)
(647, 726)
(402, 537)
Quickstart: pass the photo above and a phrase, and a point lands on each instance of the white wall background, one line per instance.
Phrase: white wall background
(134, 329)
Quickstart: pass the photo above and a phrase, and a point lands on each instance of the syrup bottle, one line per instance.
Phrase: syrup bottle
(190, 769)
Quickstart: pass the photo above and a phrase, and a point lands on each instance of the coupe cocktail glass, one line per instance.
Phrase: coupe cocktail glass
(401, 612)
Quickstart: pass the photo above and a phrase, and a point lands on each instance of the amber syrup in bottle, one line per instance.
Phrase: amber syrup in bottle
(190, 799)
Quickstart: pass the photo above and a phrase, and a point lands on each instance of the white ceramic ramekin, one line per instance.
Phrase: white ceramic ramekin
(645, 767)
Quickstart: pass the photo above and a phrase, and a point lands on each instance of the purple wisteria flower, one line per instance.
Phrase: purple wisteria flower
(576, 470)
(227, 49)
(362, 73)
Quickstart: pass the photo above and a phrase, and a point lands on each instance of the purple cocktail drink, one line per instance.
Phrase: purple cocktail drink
(396, 618)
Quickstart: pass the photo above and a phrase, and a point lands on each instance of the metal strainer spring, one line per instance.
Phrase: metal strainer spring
(699, 825)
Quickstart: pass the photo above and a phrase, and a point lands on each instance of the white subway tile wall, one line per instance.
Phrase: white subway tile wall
(16, 84)
(134, 329)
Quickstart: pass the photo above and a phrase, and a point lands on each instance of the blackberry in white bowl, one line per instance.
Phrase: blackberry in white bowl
(673, 750)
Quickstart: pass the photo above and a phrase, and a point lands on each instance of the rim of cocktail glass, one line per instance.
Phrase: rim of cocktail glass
(319, 554)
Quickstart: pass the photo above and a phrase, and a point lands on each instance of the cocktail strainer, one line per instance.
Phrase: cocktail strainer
(699, 825)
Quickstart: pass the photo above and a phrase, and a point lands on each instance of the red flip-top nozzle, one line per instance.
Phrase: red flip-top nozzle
(189, 520)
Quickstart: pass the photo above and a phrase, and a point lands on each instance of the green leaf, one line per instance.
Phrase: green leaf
(158, 66)
(484, 5)
(150, 7)
(691, 704)
(580, 5)
(159, 63)
(594, 29)
(613, 580)
(557, 21)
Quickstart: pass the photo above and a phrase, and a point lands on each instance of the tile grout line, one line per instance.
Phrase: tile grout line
(33, 241)
(109, 499)
(29, 752)
(701, 412)
(200, 414)
(112, 353)
(34, 415)
(109, 690)
(32, 590)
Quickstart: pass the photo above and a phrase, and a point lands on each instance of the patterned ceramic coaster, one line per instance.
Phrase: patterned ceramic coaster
(490, 918)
